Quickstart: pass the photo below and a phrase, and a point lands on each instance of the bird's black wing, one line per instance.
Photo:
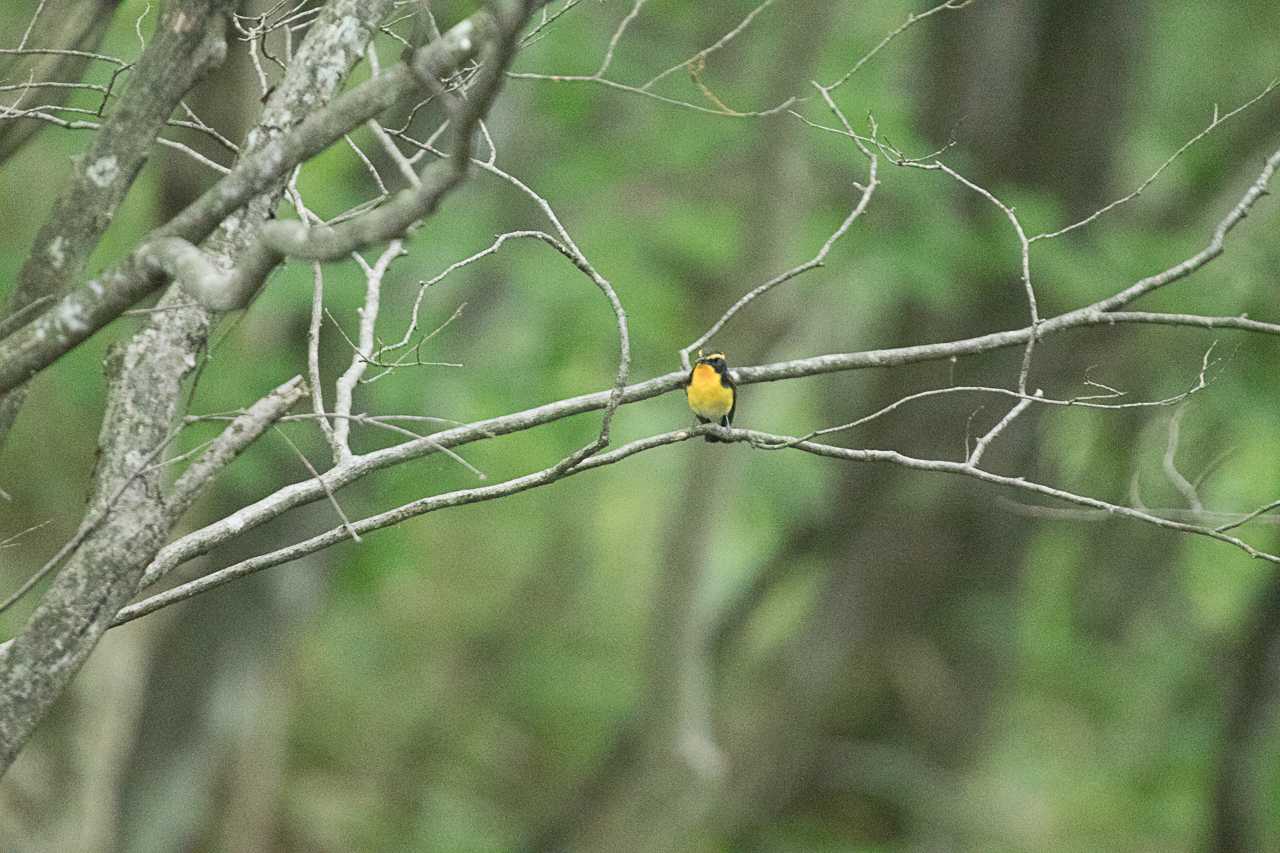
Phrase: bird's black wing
(727, 381)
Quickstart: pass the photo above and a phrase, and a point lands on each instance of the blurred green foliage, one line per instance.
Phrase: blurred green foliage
(445, 682)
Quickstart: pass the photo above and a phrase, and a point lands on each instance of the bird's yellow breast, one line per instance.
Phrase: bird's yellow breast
(707, 396)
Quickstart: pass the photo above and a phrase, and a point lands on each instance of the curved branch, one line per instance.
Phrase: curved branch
(84, 310)
(189, 41)
(300, 493)
(864, 199)
(758, 440)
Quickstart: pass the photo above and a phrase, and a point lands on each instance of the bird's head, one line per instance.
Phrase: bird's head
(715, 360)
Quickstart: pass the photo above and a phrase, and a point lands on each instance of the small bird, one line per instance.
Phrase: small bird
(711, 392)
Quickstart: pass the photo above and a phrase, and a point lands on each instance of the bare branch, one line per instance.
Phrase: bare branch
(760, 440)
(68, 41)
(981, 446)
(1240, 522)
(44, 114)
(313, 354)
(301, 493)
(11, 541)
(350, 378)
(768, 441)
(864, 199)
(84, 310)
(241, 432)
(701, 55)
(617, 37)
(32, 25)
(1213, 124)
(179, 55)
(912, 20)
(1024, 247)
(395, 516)
(328, 493)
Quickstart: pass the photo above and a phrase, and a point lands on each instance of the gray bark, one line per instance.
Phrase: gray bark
(146, 378)
(188, 42)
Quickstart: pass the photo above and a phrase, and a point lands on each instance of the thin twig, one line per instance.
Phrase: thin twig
(238, 435)
(701, 55)
(912, 20)
(11, 541)
(316, 476)
(864, 198)
(1213, 124)
(980, 447)
(313, 355)
(1262, 510)
(765, 441)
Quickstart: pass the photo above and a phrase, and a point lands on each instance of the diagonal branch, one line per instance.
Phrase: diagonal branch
(301, 493)
(179, 55)
(238, 435)
(980, 447)
(146, 391)
(759, 440)
(68, 35)
(76, 316)
(864, 198)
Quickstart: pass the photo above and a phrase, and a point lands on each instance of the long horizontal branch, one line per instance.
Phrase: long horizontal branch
(392, 517)
(298, 494)
(969, 470)
(759, 440)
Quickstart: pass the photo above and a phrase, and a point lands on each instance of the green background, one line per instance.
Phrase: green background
(932, 665)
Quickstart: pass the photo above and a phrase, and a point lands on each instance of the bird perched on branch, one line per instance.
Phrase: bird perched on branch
(711, 392)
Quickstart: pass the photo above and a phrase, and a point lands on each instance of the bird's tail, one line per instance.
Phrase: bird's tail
(724, 422)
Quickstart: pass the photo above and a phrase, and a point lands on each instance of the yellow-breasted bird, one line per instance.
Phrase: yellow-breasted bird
(711, 392)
